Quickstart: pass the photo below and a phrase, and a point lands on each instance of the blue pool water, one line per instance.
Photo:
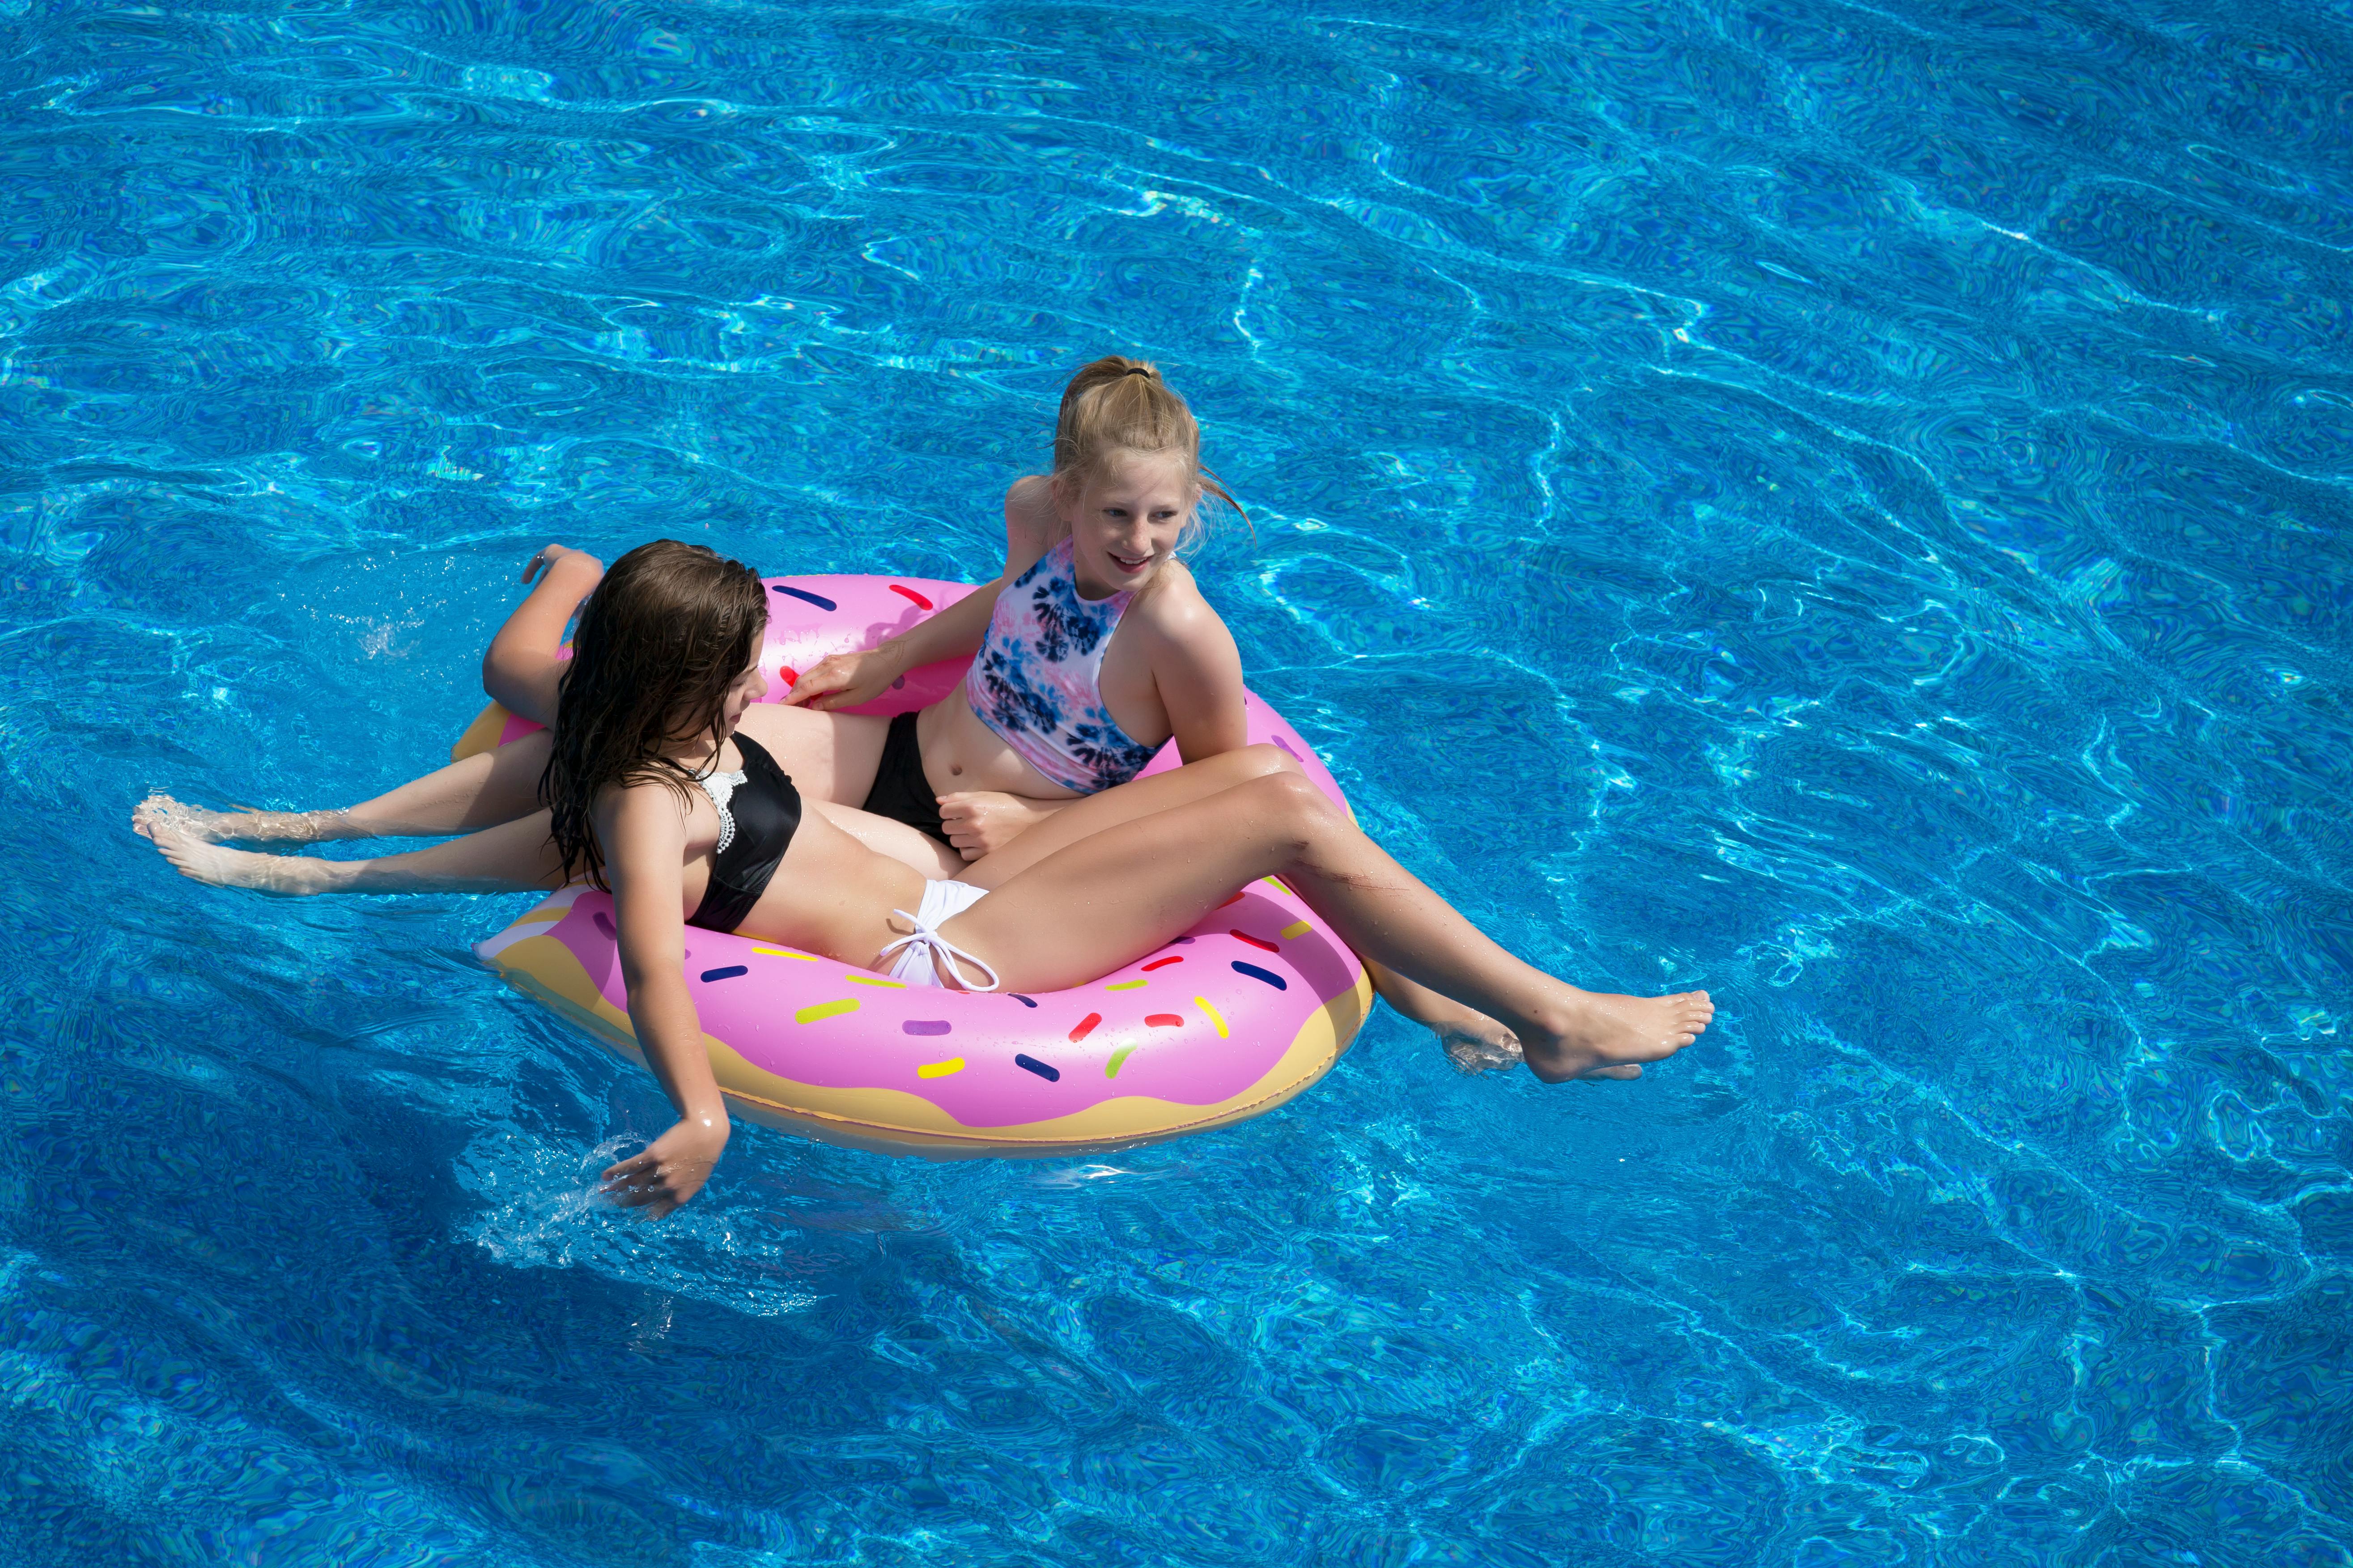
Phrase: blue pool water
(1842, 505)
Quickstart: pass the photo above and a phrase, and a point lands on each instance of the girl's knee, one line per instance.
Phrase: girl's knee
(1260, 761)
(1292, 798)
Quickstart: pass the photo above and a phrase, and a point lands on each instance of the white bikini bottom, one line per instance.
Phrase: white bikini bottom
(924, 952)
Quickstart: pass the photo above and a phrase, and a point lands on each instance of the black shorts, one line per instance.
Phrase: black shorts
(900, 791)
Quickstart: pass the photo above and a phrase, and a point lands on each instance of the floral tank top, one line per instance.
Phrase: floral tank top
(1038, 679)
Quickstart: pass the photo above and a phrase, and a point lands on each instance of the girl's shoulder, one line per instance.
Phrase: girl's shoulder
(1173, 604)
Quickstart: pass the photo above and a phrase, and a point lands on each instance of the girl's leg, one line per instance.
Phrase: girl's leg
(1126, 802)
(1472, 1041)
(1095, 904)
(830, 756)
(494, 786)
(513, 857)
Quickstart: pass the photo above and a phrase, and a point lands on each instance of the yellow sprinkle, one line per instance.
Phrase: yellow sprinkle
(1203, 1003)
(826, 1010)
(940, 1069)
(780, 953)
(876, 980)
(1279, 883)
(1129, 986)
(1111, 1067)
(1296, 928)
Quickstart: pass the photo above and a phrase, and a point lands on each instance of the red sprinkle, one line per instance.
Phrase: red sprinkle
(910, 594)
(1164, 1021)
(1243, 936)
(1235, 900)
(1163, 963)
(1086, 1027)
(792, 676)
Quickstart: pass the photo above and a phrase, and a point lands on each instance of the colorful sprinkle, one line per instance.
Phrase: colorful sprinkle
(819, 600)
(1285, 747)
(730, 973)
(606, 925)
(1296, 929)
(1255, 973)
(886, 984)
(1261, 944)
(792, 676)
(1021, 998)
(1217, 1020)
(783, 952)
(1163, 963)
(1111, 1067)
(1235, 900)
(824, 1010)
(1163, 1021)
(904, 592)
(1086, 1027)
(927, 1026)
(940, 1069)
(1279, 885)
(1051, 1074)
(1129, 986)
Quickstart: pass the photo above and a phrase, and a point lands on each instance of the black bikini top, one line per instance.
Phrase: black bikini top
(759, 812)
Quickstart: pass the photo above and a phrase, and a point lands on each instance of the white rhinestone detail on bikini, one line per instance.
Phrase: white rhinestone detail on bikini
(721, 788)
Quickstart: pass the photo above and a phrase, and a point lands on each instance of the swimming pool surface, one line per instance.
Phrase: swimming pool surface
(1841, 505)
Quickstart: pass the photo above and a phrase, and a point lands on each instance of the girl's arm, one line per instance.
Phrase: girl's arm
(644, 835)
(847, 680)
(520, 669)
(1198, 673)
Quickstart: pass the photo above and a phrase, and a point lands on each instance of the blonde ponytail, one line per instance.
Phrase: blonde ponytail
(1121, 404)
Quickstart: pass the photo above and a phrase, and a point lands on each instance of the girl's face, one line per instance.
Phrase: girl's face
(1125, 520)
(742, 692)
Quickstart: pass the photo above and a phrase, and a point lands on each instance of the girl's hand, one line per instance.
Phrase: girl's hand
(845, 680)
(982, 820)
(549, 554)
(671, 1170)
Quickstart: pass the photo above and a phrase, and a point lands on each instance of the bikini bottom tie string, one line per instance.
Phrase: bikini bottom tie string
(925, 936)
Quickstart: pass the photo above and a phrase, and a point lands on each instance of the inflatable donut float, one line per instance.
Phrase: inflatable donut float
(1245, 1010)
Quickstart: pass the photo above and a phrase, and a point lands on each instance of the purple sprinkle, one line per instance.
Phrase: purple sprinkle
(730, 973)
(1255, 973)
(899, 683)
(1021, 998)
(1051, 1074)
(927, 1025)
(819, 600)
(606, 926)
(1286, 747)
(1182, 942)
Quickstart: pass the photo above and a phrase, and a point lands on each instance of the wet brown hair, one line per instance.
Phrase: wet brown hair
(661, 640)
(1121, 404)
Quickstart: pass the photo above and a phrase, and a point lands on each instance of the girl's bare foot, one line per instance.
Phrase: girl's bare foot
(1476, 1044)
(291, 876)
(1595, 1035)
(249, 826)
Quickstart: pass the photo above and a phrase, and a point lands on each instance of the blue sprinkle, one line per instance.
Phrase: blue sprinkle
(1182, 942)
(1255, 973)
(819, 600)
(1021, 998)
(926, 1026)
(1051, 1074)
(730, 973)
